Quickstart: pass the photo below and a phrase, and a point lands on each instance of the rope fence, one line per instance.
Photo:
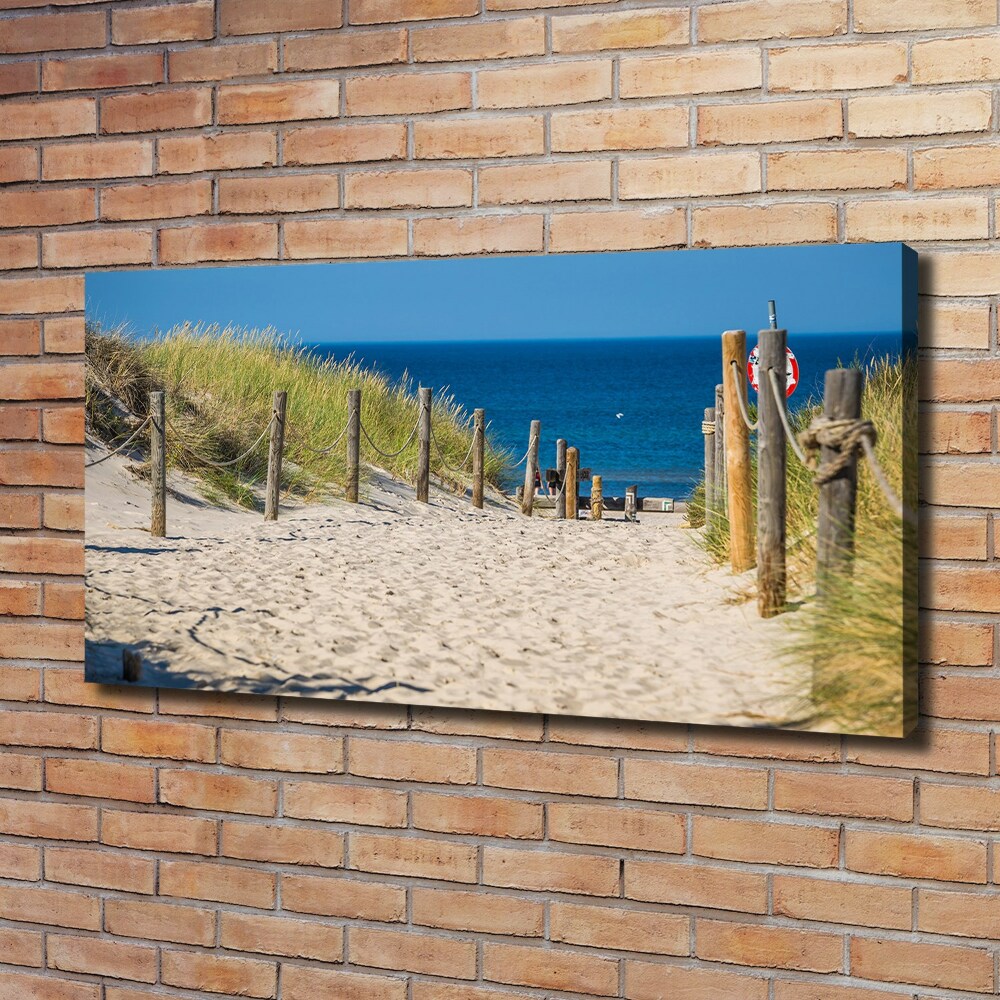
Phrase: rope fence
(185, 446)
(122, 446)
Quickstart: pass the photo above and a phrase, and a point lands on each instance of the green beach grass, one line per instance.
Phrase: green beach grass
(862, 634)
(219, 385)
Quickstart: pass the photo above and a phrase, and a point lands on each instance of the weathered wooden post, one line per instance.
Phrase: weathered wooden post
(838, 497)
(572, 482)
(353, 444)
(734, 350)
(478, 456)
(720, 452)
(561, 472)
(597, 498)
(158, 463)
(632, 503)
(771, 484)
(708, 430)
(424, 447)
(531, 468)
(274, 456)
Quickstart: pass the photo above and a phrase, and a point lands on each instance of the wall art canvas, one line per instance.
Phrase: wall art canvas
(660, 486)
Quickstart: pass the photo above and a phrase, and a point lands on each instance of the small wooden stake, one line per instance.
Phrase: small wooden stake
(478, 456)
(720, 453)
(274, 456)
(424, 448)
(734, 349)
(531, 468)
(708, 429)
(572, 482)
(158, 464)
(353, 445)
(771, 483)
(597, 498)
(838, 498)
(561, 471)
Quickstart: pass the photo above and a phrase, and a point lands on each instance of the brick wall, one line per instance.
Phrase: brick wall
(177, 845)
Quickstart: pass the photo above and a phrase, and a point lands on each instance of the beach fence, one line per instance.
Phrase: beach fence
(839, 435)
(161, 428)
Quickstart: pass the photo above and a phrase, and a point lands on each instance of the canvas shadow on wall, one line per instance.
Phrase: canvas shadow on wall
(687, 534)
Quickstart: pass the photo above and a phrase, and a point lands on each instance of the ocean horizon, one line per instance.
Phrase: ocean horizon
(633, 406)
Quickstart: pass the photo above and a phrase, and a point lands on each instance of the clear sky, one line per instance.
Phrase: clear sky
(864, 288)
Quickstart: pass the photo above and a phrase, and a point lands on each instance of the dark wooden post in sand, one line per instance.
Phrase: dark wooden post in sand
(274, 455)
(708, 429)
(720, 453)
(424, 448)
(478, 456)
(531, 468)
(158, 463)
(353, 444)
(561, 472)
(838, 497)
(734, 349)
(771, 484)
(572, 482)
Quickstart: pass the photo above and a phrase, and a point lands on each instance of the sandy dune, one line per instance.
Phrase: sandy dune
(443, 605)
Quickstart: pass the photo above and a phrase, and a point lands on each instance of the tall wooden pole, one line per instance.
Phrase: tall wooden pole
(531, 468)
(424, 448)
(274, 456)
(597, 498)
(561, 472)
(572, 482)
(353, 444)
(771, 483)
(158, 464)
(734, 349)
(478, 456)
(708, 429)
(838, 497)
(720, 453)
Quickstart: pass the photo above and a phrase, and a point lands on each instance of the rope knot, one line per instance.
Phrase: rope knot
(846, 437)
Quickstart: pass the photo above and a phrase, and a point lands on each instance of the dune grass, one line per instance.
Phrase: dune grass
(861, 636)
(219, 385)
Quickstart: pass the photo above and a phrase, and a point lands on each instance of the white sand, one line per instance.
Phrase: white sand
(395, 601)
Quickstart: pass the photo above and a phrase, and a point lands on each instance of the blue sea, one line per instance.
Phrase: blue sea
(632, 406)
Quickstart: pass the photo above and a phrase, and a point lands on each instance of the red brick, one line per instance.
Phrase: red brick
(408, 93)
(96, 248)
(836, 170)
(42, 295)
(255, 17)
(372, 48)
(468, 138)
(356, 237)
(487, 40)
(950, 859)
(101, 869)
(441, 188)
(843, 795)
(472, 235)
(159, 922)
(159, 832)
(18, 251)
(18, 423)
(219, 242)
(21, 861)
(281, 936)
(898, 115)
(771, 121)
(282, 844)
(232, 977)
(306, 983)
(768, 947)
(64, 600)
(418, 857)
(63, 512)
(173, 740)
(620, 128)
(48, 467)
(647, 981)
(382, 11)
(70, 161)
(18, 163)
(550, 968)
(760, 19)
(663, 781)
(47, 820)
(218, 792)
(20, 683)
(19, 78)
(31, 987)
(626, 30)
(49, 32)
(40, 207)
(538, 86)
(550, 871)
(715, 71)
(138, 69)
(37, 641)
(340, 803)
(562, 773)
(407, 951)
(176, 22)
(922, 963)
(20, 947)
(44, 118)
(619, 929)
(964, 914)
(345, 143)
(282, 752)
(685, 884)
(224, 62)
(278, 102)
(410, 761)
(60, 556)
(479, 912)
(764, 226)
(20, 336)
(485, 817)
(340, 897)
(765, 843)
(222, 705)
(615, 826)
(226, 151)
(217, 883)
(934, 750)
(99, 779)
(915, 15)
(838, 902)
(157, 111)
(176, 199)
(37, 906)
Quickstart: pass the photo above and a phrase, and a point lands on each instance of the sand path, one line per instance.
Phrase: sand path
(442, 605)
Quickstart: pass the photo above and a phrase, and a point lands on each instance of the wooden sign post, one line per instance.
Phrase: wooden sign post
(274, 456)
(478, 456)
(158, 463)
(771, 484)
(531, 468)
(353, 444)
(561, 473)
(734, 349)
(572, 482)
(424, 447)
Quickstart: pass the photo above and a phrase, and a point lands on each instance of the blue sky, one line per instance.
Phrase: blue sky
(865, 288)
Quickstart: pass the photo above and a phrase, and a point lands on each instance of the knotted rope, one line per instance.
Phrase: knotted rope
(122, 446)
(843, 436)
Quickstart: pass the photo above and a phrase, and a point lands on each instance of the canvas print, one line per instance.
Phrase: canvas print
(662, 486)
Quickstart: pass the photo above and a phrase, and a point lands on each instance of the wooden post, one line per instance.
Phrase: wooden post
(572, 482)
(771, 484)
(478, 456)
(531, 468)
(353, 444)
(597, 498)
(561, 470)
(708, 430)
(274, 456)
(632, 503)
(838, 498)
(158, 463)
(720, 453)
(424, 448)
(734, 349)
